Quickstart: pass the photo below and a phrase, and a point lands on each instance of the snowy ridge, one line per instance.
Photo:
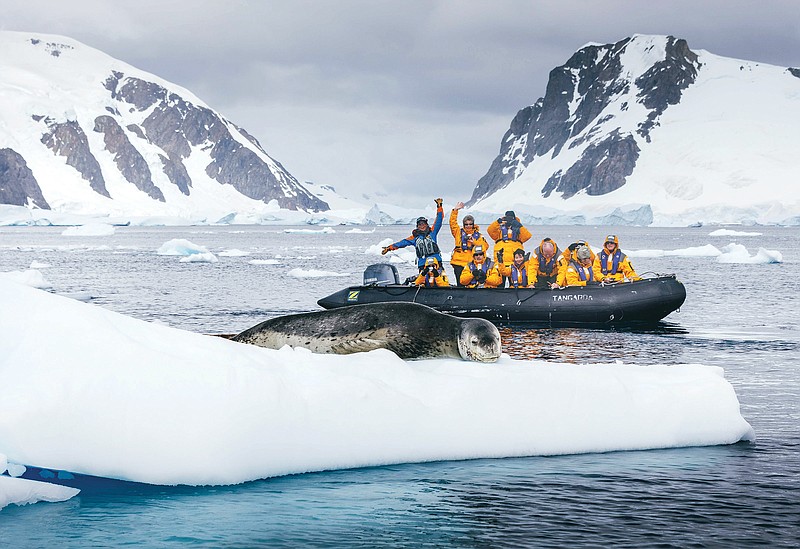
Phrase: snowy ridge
(84, 133)
(658, 132)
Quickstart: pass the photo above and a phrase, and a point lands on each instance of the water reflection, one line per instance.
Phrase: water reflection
(655, 342)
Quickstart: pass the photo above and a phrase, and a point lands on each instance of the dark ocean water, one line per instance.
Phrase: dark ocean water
(741, 317)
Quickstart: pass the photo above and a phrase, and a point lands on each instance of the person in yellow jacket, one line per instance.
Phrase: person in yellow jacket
(432, 275)
(546, 262)
(519, 273)
(481, 272)
(467, 237)
(567, 256)
(579, 271)
(508, 234)
(611, 265)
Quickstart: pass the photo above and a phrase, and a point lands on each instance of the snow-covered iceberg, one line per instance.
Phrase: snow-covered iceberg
(92, 391)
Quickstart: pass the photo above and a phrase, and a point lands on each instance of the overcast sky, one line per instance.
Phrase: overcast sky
(410, 98)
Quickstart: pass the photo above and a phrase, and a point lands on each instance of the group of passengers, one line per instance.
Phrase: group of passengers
(546, 267)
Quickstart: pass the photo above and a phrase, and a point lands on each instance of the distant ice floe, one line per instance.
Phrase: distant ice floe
(313, 273)
(90, 229)
(732, 253)
(233, 253)
(191, 252)
(180, 246)
(264, 262)
(708, 250)
(29, 277)
(736, 253)
(729, 232)
(39, 265)
(359, 231)
(324, 230)
(206, 257)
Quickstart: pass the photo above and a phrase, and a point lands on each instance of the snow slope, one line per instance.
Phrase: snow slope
(725, 153)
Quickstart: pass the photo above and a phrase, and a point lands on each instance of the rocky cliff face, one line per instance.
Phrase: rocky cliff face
(125, 130)
(17, 184)
(584, 98)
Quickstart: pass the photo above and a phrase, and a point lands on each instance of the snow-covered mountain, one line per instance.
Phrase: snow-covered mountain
(84, 133)
(648, 131)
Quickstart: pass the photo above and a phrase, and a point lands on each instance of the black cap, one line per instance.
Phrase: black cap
(421, 219)
(510, 214)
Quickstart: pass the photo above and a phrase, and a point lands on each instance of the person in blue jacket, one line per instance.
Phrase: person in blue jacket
(423, 238)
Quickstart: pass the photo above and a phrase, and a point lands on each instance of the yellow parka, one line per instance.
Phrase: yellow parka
(519, 276)
(575, 274)
(567, 256)
(546, 270)
(432, 278)
(493, 278)
(614, 267)
(462, 253)
(508, 238)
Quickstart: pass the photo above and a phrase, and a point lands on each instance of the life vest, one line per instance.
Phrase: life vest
(485, 267)
(509, 234)
(465, 241)
(425, 246)
(547, 267)
(616, 259)
(519, 276)
(581, 270)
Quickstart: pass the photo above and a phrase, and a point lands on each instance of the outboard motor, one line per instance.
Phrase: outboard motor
(381, 274)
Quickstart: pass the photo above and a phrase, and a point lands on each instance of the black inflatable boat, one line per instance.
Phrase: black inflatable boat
(643, 301)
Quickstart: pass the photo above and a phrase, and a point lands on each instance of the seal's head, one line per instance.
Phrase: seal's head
(478, 340)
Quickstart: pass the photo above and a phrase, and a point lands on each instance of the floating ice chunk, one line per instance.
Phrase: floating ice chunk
(204, 410)
(729, 232)
(324, 230)
(233, 253)
(264, 262)
(359, 231)
(205, 257)
(90, 229)
(313, 273)
(697, 251)
(181, 246)
(29, 277)
(39, 265)
(23, 492)
(737, 253)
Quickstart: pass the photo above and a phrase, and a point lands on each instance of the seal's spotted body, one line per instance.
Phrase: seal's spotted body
(409, 330)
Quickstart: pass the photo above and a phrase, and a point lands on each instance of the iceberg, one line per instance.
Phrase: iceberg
(91, 391)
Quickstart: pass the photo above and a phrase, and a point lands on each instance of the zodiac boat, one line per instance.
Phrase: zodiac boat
(643, 301)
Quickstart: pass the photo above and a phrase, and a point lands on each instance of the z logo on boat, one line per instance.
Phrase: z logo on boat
(353, 295)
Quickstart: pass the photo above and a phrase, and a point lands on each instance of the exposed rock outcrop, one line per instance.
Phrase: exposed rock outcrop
(17, 184)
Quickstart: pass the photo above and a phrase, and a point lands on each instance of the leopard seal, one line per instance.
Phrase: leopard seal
(410, 330)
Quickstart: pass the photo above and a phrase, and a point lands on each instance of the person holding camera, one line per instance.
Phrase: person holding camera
(432, 276)
(481, 272)
(508, 233)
